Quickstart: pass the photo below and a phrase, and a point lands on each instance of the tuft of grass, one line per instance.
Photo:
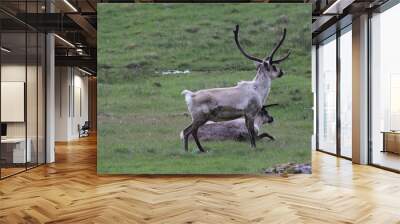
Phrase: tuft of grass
(141, 112)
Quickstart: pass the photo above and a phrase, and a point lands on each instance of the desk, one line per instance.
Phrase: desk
(391, 141)
(16, 148)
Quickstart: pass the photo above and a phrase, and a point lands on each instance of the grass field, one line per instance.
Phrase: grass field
(141, 111)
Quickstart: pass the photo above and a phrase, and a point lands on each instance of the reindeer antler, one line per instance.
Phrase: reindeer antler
(271, 56)
(236, 32)
(270, 105)
(277, 61)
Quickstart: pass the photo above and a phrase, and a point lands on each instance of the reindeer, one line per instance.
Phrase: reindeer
(235, 129)
(243, 100)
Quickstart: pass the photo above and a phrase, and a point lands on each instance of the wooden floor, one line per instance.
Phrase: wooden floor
(5, 172)
(70, 191)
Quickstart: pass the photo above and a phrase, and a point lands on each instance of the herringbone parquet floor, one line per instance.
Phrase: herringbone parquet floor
(70, 191)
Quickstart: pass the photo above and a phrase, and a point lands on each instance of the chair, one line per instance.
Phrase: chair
(84, 130)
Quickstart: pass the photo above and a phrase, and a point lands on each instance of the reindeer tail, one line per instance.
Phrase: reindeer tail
(181, 135)
(188, 96)
(185, 92)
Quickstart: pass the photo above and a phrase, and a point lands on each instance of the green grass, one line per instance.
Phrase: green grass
(142, 112)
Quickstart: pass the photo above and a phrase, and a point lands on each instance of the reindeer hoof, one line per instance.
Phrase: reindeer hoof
(202, 150)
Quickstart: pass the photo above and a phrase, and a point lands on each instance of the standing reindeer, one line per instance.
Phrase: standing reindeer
(243, 100)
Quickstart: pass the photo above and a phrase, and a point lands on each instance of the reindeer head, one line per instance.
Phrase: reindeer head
(268, 65)
(265, 116)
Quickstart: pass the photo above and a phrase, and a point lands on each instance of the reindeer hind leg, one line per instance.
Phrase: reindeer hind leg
(186, 132)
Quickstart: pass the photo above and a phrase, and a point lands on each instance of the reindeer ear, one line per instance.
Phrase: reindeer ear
(256, 63)
(271, 105)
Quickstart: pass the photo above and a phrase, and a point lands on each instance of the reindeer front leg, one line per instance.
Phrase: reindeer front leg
(250, 128)
(265, 135)
(186, 132)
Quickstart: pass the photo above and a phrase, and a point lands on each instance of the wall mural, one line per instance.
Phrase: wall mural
(204, 89)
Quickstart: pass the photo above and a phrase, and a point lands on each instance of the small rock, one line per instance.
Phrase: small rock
(289, 168)
(192, 30)
(175, 72)
(131, 46)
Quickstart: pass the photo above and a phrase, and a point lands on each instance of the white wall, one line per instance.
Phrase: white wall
(70, 83)
(17, 72)
(14, 72)
(80, 84)
(62, 82)
(33, 126)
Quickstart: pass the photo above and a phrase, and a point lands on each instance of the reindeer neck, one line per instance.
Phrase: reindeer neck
(263, 84)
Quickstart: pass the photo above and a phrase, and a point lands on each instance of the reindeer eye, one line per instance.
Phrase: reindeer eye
(267, 66)
(273, 67)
